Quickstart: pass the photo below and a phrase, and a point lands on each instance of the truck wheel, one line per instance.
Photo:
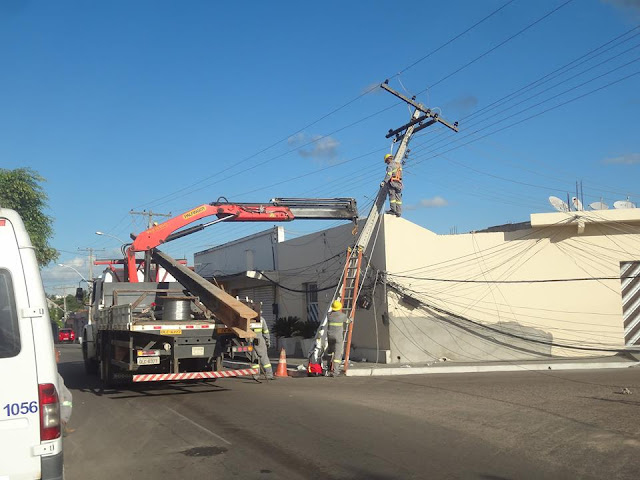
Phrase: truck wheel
(90, 364)
(106, 369)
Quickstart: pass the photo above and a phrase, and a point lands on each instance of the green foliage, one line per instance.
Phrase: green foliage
(21, 191)
(286, 326)
(57, 314)
(307, 329)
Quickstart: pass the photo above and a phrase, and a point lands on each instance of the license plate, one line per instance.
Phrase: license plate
(195, 351)
(148, 360)
(171, 332)
(223, 331)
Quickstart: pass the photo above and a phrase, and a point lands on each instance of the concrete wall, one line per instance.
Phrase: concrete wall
(304, 260)
(584, 313)
(255, 252)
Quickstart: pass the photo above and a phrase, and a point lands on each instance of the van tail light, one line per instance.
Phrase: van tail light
(49, 412)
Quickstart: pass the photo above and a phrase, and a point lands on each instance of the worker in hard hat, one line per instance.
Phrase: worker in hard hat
(393, 183)
(337, 321)
(260, 345)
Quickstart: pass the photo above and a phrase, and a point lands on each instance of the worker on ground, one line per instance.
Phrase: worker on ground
(261, 343)
(337, 321)
(393, 183)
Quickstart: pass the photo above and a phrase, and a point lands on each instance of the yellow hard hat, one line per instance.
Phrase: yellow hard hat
(337, 305)
(387, 157)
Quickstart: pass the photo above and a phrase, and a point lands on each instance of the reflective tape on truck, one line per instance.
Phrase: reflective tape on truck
(163, 377)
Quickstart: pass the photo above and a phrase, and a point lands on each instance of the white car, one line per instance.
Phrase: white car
(30, 428)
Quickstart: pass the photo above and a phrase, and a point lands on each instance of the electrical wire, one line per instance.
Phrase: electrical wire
(278, 284)
(191, 189)
(432, 308)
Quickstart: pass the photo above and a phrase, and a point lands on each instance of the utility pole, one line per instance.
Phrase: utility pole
(422, 118)
(349, 287)
(147, 254)
(90, 251)
(65, 310)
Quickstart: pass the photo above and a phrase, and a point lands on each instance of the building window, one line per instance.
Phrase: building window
(311, 301)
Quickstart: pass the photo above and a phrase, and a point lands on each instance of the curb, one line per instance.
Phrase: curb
(380, 372)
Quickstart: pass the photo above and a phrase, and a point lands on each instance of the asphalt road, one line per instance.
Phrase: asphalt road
(528, 425)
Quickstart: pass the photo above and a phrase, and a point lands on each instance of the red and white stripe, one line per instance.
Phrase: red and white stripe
(151, 326)
(162, 377)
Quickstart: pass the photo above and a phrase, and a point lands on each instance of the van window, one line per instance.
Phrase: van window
(9, 333)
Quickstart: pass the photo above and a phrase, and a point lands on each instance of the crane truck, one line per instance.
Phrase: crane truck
(180, 326)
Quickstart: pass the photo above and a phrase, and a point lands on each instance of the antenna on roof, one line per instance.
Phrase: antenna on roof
(622, 204)
(558, 204)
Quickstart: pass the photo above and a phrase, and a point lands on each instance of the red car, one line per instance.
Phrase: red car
(66, 335)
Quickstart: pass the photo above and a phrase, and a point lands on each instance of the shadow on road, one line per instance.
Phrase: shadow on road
(75, 378)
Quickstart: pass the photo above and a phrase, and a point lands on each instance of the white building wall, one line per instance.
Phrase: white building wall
(586, 313)
(256, 252)
(320, 257)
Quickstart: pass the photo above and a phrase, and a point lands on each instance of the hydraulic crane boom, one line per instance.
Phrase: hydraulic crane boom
(277, 210)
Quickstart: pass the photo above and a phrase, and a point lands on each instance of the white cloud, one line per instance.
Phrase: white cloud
(317, 147)
(626, 159)
(435, 202)
(55, 274)
(297, 139)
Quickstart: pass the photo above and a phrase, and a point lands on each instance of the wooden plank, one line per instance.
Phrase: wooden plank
(230, 311)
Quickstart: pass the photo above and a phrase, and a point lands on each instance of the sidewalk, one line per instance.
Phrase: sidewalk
(365, 369)
(358, 369)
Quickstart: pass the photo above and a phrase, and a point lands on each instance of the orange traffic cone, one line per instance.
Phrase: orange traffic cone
(282, 365)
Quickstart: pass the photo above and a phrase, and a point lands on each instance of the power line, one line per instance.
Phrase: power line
(547, 280)
(454, 38)
(432, 308)
(526, 109)
(369, 90)
(526, 118)
(551, 75)
(278, 284)
(504, 42)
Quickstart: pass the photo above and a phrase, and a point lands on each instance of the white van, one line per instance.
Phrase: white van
(30, 430)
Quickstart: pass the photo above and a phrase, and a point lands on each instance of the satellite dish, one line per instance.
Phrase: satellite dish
(558, 204)
(598, 206)
(621, 204)
(577, 204)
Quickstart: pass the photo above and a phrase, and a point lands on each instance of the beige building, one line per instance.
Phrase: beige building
(548, 287)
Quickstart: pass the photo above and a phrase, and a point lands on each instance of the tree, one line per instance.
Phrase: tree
(21, 191)
(57, 307)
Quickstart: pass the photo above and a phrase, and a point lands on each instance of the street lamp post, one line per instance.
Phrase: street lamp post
(89, 315)
(72, 268)
(112, 236)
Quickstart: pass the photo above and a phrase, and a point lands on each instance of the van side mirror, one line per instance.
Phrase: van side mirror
(80, 294)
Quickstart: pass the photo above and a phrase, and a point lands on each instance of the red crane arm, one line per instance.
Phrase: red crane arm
(278, 210)
(158, 234)
(162, 232)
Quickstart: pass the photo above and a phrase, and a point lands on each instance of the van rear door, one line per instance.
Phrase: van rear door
(19, 406)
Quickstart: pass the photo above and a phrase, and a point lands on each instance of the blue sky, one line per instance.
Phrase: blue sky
(165, 105)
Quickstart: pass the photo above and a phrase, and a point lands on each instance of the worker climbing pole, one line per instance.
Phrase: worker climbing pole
(349, 285)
